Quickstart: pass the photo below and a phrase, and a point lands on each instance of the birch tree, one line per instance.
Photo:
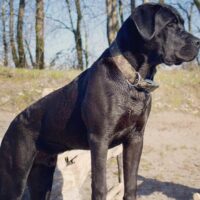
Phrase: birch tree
(20, 37)
(133, 5)
(39, 30)
(188, 13)
(121, 15)
(197, 3)
(161, 1)
(76, 30)
(112, 20)
(12, 35)
(4, 38)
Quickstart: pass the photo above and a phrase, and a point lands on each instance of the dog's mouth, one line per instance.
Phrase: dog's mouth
(179, 57)
(172, 61)
(187, 54)
(178, 61)
(168, 62)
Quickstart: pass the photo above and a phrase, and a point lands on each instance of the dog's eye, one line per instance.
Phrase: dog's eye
(172, 23)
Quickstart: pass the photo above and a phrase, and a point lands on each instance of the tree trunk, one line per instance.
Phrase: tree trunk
(11, 34)
(30, 54)
(121, 15)
(77, 31)
(133, 5)
(5, 44)
(78, 39)
(161, 1)
(85, 51)
(112, 20)
(197, 3)
(21, 53)
(39, 31)
(190, 18)
(188, 14)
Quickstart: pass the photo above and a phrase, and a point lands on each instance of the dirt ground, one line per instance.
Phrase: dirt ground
(170, 164)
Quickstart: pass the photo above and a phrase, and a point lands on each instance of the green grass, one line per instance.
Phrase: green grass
(179, 89)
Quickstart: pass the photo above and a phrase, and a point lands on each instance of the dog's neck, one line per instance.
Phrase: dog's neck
(129, 64)
(132, 76)
(122, 63)
(130, 45)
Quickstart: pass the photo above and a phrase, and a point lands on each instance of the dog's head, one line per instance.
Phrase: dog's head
(162, 30)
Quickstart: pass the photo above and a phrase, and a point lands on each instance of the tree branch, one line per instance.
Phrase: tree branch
(70, 15)
(60, 22)
(183, 9)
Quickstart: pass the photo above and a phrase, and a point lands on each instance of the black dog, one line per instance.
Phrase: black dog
(105, 106)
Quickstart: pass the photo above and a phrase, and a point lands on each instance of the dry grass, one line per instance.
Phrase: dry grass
(21, 87)
(179, 89)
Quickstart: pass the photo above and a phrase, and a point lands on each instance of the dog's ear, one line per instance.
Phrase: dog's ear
(150, 19)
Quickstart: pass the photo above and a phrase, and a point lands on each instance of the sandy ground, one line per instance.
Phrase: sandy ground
(170, 164)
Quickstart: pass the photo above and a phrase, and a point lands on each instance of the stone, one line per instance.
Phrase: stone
(196, 196)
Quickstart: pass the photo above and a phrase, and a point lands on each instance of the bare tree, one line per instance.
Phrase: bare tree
(11, 33)
(78, 35)
(133, 5)
(121, 15)
(112, 20)
(39, 30)
(197, 3)
(85, 50)
(161, 1)
(5, 44)
(77, 31)
(188, 13)
(30, 54)
(20, 38)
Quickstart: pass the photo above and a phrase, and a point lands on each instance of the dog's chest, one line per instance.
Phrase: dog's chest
(133, 109)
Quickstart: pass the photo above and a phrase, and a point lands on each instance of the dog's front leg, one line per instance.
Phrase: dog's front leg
(99, 150)
(132, 150)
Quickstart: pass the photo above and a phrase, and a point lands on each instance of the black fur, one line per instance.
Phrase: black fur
(97, 110)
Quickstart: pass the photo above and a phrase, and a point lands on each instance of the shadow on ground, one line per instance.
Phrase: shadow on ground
(169, 189)
(57, 188)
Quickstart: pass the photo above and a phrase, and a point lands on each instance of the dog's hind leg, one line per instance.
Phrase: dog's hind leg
(40, 179)
(17, 153)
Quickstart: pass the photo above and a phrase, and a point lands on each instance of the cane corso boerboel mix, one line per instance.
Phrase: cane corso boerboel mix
(106, 105)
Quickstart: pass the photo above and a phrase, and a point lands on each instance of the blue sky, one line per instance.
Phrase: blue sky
(59, 39)
(94, 17)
